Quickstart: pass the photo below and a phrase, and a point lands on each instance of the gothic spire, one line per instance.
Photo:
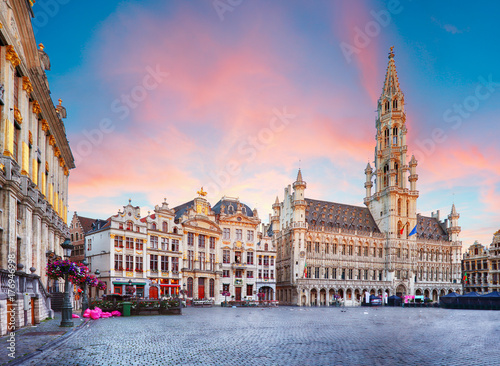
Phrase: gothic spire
(391, 82)
(299, 176)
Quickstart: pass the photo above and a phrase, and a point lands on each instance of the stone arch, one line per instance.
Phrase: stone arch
(341, 293)
(349, 294)
(313, 297)
(443, 292)
(418, 292)
(323, 300)
(401, 290)
(435, 295)
(357, 295)
(427, 293)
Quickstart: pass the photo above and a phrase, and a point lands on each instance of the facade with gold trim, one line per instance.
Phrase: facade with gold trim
(482, 266)
(34, 166)
(202, 234)
(328, 250)
(238, 250)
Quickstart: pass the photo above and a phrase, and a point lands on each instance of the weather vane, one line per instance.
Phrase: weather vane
(201, 192)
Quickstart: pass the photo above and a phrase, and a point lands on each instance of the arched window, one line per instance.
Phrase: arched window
(386, 137)
(175, 230)
(190, 287)
(72, 238)
(387, 106)
(130, 225)
(212, 288)
(395, 104)
(396, 168)
(266, 247)
(399, 206)
(407, 208)
(395, 136)
(76, 236)
(165, 226)
(386, 175)
(153, 226)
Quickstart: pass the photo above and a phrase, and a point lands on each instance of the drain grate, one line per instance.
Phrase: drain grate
(43, 333)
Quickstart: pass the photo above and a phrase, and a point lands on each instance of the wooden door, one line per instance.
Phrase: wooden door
(237, 295)
(153, 292)
(33, 311)
(10, 307)
(201, 288)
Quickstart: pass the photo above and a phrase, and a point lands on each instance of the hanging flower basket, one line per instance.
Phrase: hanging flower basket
(57, 269)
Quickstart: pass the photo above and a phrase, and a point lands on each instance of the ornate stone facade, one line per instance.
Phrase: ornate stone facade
(326, 249)
(481, 267)
(34, 200)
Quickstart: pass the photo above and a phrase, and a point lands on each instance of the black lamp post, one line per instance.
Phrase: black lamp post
(67, 309)
(184, 292)
(85, 298)
(97, 273)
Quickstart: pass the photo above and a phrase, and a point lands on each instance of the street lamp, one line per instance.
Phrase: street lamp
(85, 298)
(184, 292)
(97, 273)
(67, 313)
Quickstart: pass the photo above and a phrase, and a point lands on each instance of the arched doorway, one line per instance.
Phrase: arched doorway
(341, 293)
(450, 291)
(267, 291)
(331, 296)
(304, 300)
(418, 292)
(426, 293)
(372, 291)
(314, 297)
(401, 291)
(434, 295)
(322, 297)
(349, 294)
(443, 292)
(357, 295)
(153, 292)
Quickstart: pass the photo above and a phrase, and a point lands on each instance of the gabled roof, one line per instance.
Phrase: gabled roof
(339, 215)
(430, 228)
(231, 203)
(85, 223)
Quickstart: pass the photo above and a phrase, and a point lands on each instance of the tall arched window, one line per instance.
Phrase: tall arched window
(399, 206)
(266, 247)
(386, 137)
(386, 175)
(212, 288)
(396, 168)
(190, 287)
(130, 225)
(165, 226)
(395, 136)
(395, 104)
(76, 236)
(153, 226)
(387, 106)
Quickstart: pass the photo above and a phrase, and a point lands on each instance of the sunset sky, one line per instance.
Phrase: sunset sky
(166, 97)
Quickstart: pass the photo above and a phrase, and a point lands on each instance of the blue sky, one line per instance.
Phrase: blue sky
(228, 71)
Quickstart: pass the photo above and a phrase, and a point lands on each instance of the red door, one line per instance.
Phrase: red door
(237, 295)
(201, 288)
(153, 292)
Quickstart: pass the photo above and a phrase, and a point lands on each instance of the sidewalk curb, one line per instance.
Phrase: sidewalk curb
(52, 344)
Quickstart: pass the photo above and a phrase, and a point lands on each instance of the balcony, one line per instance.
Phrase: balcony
(239, 265)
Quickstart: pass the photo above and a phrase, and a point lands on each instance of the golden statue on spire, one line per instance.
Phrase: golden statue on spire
(201, 192)
(391, 53)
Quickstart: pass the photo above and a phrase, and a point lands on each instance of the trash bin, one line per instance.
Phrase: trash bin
(126, 308)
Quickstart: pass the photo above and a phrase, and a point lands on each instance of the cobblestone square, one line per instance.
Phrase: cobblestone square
(286, 336)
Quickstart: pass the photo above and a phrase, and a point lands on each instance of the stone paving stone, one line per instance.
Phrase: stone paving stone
(28, 341)
(286, 336)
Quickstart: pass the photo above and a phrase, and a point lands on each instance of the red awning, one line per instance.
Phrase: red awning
(169, 285)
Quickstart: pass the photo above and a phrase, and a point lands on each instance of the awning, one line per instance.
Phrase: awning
(133, 283)
(165, 285)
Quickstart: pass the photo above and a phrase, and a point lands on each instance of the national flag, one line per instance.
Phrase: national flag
(403, 228)
(305, 270)
(413, 231)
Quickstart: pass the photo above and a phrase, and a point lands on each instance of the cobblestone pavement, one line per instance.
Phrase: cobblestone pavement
(29, 339)
(286, 336)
